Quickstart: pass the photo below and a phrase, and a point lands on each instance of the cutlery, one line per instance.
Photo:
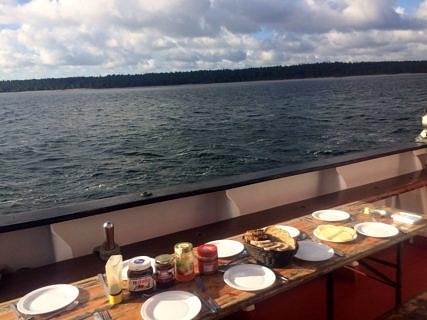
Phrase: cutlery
(105, 315)
(339, 252)
(211, 308)
(244, 255)
(280, 276)
(97, 316)
(102, 315)
(101, 279)
(201, 286)
(18, 314)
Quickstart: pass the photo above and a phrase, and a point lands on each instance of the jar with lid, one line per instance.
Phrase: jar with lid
(184, 261)
(207, 258)
(140, 276)
(165, 271)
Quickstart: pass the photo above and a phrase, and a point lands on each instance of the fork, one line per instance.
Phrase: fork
(242, 256)
(18, 314)
(102, 315)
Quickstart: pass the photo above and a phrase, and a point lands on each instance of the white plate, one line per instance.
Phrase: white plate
(294, 232)
(179, 305)
(376, 229)
(126, 266)
(227, 248)
(47, 299)
(313, 251)
(331, 215)
(249, 277)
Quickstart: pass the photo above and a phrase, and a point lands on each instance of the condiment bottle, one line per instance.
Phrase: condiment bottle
(184, 261)
(165, 271)
(207, 258)
(140, 276)
(113, 272)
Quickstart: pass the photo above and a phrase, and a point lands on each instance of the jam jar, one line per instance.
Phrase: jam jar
(140, 276)
(207, 258)
(184, 261)
(165, 271)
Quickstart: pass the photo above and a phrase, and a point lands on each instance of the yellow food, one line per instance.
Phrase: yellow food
(335, 233)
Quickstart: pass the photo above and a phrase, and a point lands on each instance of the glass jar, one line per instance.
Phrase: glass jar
(207, 258)
(140, 276)
(165, 271)
(184, 261)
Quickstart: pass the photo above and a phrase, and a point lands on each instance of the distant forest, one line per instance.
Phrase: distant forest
(316, 70)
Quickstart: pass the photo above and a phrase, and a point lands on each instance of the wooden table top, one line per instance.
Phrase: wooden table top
(91, 297)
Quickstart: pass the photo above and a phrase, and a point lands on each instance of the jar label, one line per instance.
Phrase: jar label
(210, 267)
(185, 267)
(141, 284)
(165, 276)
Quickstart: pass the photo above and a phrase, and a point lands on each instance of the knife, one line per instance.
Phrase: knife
(104, 284)
(280, 276)
(201, 286)
(339, 252)
(205, 302)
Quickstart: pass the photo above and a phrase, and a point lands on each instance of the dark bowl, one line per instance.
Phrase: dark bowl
(272, 259)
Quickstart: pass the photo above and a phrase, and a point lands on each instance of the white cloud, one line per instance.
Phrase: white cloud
(422, 10)
(78, 37)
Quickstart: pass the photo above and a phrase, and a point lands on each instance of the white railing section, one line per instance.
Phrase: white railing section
(78, 237)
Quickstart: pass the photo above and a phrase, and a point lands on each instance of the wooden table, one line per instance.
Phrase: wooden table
(92, 298)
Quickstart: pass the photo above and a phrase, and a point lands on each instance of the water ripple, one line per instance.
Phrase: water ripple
(59, 147)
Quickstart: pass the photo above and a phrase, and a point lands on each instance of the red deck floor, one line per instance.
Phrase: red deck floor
(356, 296)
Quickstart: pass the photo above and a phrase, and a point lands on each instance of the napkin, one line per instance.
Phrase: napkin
(406, 217)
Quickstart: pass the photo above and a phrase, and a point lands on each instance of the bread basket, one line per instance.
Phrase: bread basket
(272, 259)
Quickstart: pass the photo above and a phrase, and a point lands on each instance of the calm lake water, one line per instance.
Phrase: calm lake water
(59, 147)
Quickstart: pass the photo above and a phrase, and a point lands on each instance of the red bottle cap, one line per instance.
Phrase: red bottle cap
(207, 250)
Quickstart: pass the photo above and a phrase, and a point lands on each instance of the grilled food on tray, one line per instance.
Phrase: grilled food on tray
(270, 238)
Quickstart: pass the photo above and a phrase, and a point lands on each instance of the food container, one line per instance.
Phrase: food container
(140, 276)
(184, 261)
(207, 258)
(165, 271)
(272, 259)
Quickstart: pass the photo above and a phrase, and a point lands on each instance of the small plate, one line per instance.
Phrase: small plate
(47, 299)
(294, 232)
(249, 277)
(227, 248)
(376, 229)
(179, 305)
(313, 251)
(333, 233)
(331, 215)
(125, 267)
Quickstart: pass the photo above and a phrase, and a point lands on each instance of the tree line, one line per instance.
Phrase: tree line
(315, 70)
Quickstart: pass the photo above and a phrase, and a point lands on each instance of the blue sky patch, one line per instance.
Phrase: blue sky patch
(409, 5)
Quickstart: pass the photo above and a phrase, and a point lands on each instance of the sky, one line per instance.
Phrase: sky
(63, 38)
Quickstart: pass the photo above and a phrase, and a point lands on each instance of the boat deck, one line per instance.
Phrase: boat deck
(17, 284)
